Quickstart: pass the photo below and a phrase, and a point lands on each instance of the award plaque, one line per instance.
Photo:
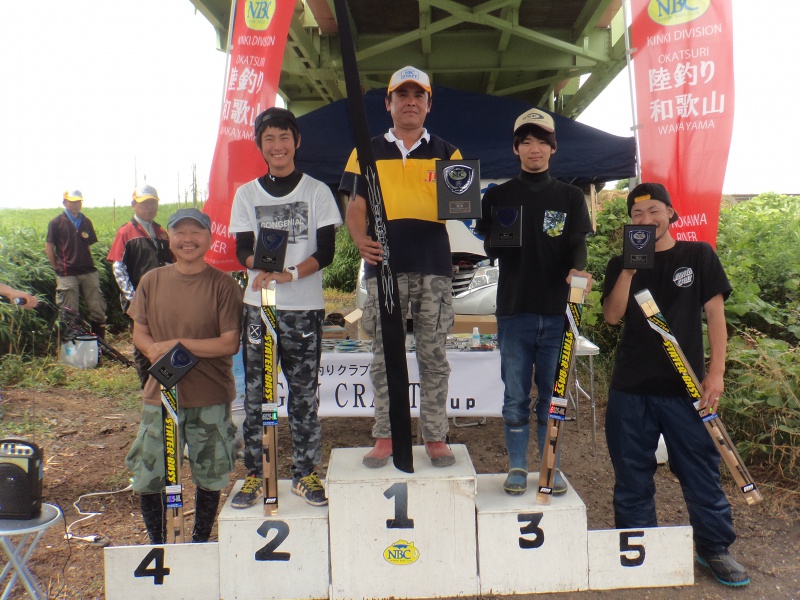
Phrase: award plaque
(458, 189)
(270, 249)
(170, 368)
(506, 227)
(638, 246)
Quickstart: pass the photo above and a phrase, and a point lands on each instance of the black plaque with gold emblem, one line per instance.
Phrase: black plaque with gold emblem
(506, 227)
(270, 251)
(639, 246)
(458, 189)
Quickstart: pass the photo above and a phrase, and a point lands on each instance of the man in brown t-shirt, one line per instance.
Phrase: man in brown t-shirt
(195, 304)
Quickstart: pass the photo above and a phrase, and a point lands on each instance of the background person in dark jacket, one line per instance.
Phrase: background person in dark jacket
(140, 246)
(69, 237)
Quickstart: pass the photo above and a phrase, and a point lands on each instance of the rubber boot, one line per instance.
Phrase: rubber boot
(99, 329)
(440, 454)
(517, 438)
(559, 485)
(153, 512)
(379, 455)
(205, 513)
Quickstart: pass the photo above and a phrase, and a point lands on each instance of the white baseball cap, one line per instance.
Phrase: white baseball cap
(535, 117)
(145, 192)
(411, 74)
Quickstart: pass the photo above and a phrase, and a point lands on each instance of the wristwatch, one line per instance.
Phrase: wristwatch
(293, 272)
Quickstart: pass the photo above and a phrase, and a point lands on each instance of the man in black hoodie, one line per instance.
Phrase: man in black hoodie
(533, 284)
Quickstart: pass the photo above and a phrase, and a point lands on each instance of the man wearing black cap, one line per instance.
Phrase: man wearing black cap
(648, 398)
(406, 161)
(289, 200)
(533, 285)
(199, 306)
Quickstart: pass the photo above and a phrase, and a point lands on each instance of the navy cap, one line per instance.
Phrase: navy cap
(190, 213)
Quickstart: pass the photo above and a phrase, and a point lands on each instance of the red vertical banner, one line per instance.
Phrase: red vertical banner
(683, 66)
(260, 29)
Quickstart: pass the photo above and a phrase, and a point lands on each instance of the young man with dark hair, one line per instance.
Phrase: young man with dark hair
(406, 161)
(647, 396)
(67, 246)
(140, 245)
(285, 199)
(199, 306)
(533, 285)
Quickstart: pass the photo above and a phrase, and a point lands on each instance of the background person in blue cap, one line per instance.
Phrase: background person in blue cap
(199, 306)
(533, 286)
(67, 246)
(648, 397)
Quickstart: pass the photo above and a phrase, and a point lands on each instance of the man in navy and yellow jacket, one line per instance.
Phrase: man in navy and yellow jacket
(406, 161)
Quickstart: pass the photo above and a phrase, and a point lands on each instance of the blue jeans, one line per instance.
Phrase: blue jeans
(633, 424)
(525, 340)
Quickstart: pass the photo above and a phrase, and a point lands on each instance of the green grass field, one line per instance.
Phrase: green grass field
(106, 219)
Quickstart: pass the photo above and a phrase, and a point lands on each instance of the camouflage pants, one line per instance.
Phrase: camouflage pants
(430, 302)
(208, 432)
(299, 348)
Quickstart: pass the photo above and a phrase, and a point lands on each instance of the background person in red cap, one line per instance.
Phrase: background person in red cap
(67, 246)
(648, 398)
(140, 246)
(533, 286)
(406, 157)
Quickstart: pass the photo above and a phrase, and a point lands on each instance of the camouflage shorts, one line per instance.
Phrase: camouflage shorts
(207, 431)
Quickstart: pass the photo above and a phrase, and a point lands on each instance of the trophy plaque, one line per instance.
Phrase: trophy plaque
(270, 249)
(639, 246)
(170, 368)
(458, 189)
(506, 227)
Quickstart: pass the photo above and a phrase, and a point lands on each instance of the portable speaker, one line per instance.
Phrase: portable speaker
(21, 471)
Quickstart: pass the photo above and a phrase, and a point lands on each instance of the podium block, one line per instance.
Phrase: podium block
(161, 572)
(402, 535)
(281, 556)
(635, 558)
(526, 548)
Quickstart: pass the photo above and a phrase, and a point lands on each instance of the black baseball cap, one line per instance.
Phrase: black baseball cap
(272, 114)
(651, 191)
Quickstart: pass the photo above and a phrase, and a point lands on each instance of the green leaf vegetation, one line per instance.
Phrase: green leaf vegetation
(758, 243)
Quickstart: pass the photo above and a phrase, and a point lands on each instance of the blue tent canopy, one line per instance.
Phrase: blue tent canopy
(480, 125)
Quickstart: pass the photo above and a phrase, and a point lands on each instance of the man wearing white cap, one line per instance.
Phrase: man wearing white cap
(140, 246)
(406, 160)
(69, 237)
(533, 285)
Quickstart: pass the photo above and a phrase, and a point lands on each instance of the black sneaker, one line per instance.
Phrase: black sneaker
(310, 488)
(249, 494)
(725, 569)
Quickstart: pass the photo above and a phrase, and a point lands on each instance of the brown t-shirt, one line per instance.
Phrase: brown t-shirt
(206, 305)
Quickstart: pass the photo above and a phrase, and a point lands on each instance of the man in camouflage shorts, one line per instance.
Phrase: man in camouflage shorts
(288, 200)
(199, 306)
(406, 157)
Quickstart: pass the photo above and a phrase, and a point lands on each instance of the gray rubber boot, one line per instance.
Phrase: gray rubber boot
(517, 438)
(559, 485)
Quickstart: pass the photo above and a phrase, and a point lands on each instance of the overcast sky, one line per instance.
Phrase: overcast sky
(98, 94)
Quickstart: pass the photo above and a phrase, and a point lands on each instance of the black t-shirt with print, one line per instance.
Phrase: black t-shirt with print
(685, 277)
(533, 277)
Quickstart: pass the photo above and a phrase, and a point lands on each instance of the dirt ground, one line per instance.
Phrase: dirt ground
(85, 438)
